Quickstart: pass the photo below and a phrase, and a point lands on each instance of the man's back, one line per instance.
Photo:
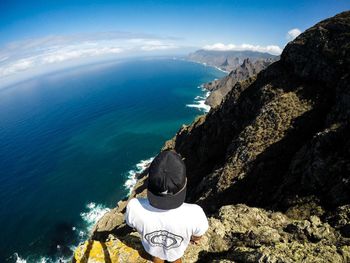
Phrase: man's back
(166, 233)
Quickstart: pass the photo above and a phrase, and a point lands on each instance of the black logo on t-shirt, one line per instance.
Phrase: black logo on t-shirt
(163, 238)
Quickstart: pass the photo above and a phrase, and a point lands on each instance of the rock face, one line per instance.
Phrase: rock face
(282, 137)
(271, 164)
(229, 60)
(219, 88)
(240, 233)
(237, 233)
(111, 250)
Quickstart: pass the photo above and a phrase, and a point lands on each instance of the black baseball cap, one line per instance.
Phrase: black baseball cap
(167, 181)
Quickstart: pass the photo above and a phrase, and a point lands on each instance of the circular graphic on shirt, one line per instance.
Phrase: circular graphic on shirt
(163, 238)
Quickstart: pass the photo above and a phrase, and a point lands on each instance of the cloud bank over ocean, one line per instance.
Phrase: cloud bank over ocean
(23, 59)
(47, 52)
(272, 49)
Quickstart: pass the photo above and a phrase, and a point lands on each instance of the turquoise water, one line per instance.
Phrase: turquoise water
(69, 140)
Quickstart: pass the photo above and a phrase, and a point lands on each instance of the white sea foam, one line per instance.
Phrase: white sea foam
(200, 106)
(206, 65)
(132, 174)
(199, 102)
(40, 260)
(19, 259)
(222, 70)
(93, 214)
(46, 260)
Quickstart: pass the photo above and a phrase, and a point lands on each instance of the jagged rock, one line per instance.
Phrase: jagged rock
(109, 221)
(225, 64)
(256, 235)
(228, 60)
(340, 220)
(237, 233)
(219, 88)
(305, 208)
(111, 251)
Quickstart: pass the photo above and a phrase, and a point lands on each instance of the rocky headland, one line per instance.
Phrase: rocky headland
(270, 165)
(220, 87)
(229, 60)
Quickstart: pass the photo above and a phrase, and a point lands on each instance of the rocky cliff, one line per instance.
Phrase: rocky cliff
(228, 60)
(220, 87)
(270, 165)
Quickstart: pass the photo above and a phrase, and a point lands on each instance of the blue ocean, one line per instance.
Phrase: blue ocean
(71, 142)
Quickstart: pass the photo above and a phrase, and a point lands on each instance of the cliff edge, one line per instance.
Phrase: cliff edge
(220, 87)
(270, 165)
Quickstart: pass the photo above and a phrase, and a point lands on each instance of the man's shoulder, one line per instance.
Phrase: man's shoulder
(134, 210)
(136, 203)
(192, 208)
(132, 202)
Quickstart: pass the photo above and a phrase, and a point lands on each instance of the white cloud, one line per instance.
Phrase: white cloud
(76, 52)
(156, 45)
(272, 49)
(293, 33)
(16, 66)
(21, 56)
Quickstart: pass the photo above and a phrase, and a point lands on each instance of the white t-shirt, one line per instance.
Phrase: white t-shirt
(166, 233)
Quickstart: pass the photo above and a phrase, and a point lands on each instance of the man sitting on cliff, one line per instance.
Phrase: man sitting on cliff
(167, 224)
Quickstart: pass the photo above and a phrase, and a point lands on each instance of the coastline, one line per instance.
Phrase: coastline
(92, 211)
(132, 174)
(198, 103)
(135, 181)
(204, 64)
(136, 175)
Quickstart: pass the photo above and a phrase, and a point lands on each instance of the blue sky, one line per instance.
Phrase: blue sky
(75, 30)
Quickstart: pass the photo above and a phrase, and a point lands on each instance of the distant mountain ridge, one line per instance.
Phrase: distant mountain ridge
(219, 88)
(228, 60)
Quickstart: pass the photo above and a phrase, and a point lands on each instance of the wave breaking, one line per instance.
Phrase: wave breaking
(132, 174)
(199, 101)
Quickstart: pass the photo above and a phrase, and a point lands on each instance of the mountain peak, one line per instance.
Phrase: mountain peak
(228, 60)
(322, 51)
(225, 63)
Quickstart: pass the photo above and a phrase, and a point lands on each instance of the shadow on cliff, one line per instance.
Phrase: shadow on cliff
(208, 257)
(124, 234)
(85, 257)
(295, 168)
(106, 253)
(266, 173)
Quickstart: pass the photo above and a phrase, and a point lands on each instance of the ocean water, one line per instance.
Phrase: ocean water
(71, 142)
